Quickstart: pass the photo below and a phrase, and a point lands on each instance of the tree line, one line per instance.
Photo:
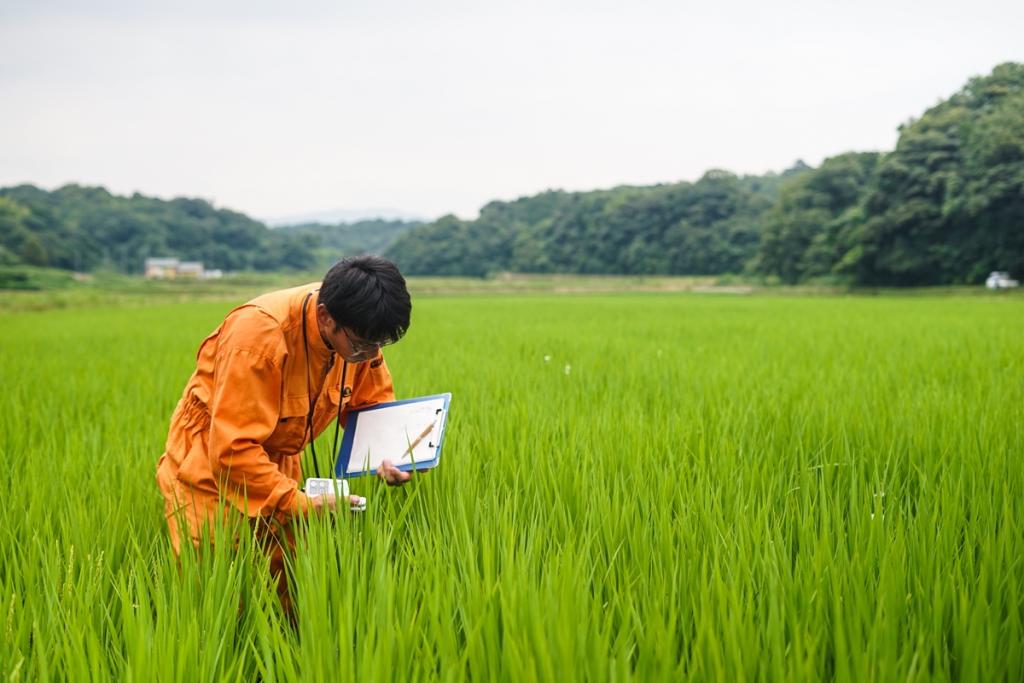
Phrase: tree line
(945, 206)
(88, 228)
(706, 227)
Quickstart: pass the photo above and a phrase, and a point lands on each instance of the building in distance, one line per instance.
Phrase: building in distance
(166, 268)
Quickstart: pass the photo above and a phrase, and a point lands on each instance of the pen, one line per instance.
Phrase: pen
(423, 435)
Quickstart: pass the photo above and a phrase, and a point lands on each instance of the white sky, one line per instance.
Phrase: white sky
(276, 108)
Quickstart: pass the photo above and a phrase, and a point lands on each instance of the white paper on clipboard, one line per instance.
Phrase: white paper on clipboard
(386, 432)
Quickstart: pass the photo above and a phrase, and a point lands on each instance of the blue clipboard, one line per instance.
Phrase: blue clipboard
(410, 433)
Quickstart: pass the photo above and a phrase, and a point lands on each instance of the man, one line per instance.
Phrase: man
(271, 378)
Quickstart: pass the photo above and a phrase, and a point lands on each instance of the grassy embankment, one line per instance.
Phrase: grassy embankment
(40, 289)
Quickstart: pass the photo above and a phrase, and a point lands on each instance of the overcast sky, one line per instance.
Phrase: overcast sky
(280, 109)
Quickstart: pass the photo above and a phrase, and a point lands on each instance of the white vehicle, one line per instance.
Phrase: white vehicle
(1000, 280)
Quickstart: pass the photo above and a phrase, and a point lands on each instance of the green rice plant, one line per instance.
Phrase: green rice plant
(646, 486)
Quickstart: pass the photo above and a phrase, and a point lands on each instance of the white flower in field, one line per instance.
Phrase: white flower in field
(568, 368)
(547, 359)
(880, 495)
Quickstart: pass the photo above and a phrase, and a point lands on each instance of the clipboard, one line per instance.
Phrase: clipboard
(408, 432)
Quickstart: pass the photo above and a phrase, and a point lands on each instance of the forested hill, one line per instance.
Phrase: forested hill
(946, 206)
(711, 226)
(84, 228)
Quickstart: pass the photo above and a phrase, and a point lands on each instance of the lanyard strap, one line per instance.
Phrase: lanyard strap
(309, 430)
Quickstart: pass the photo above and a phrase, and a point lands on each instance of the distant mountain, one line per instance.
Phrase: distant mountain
(342, 216)
(331, 242)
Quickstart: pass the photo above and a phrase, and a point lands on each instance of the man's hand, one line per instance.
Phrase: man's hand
(391, 474)
(328, 502)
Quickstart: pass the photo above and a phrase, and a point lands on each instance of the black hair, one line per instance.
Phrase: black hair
(368, 295)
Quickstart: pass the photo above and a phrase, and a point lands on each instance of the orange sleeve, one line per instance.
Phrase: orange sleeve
(244, 410)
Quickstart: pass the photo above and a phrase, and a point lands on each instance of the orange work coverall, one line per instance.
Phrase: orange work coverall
(239, 430)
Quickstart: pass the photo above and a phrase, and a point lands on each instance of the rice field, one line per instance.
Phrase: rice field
(637, 486)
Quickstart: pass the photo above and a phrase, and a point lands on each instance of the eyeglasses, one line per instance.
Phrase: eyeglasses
(360, 347)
